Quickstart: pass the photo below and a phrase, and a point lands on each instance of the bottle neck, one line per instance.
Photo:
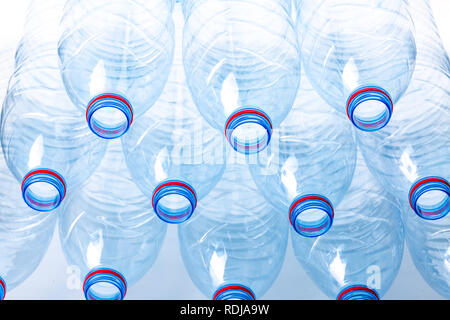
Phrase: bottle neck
(358, 292)
(429, 197)
(104, 284)
(2, 289)
(234, 292)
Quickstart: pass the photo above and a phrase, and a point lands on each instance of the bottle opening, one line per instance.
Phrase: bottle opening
(174, 201)
(430, 198)
(248, 130)
(311, 215)
(234, 292)
(358, 292)
(43, 189)
(2, 289)
(105, 284)
(109, 115)
(370, 108)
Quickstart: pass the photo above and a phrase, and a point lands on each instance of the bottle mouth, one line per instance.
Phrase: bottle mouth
(248, 130)
(104, 284)
(234, 292)
(370, 108)
(358, 292)
(43, 189)
(109, 116)
(430, 198)
(311, 215)
(174, 201)
(2, 289)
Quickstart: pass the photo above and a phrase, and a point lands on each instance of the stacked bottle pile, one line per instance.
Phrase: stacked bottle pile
(238, 121)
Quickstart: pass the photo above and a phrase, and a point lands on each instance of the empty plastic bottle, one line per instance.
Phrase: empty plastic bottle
(242, 65)
(309, 166)
(24, 234)
(411, 156)
(359, 258)
(115, 59)
(46, 145)
(174, 156)
(234, 247)
(108, 229)
(358, 54)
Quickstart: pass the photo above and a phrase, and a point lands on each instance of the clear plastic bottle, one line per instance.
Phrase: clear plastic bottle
(359, 258)
(242, 65)
(46, 145)
(24, 233)
(234, 247)
(359, 55)
(115, 59)
(108, 229)
(174, 156)
(309, 165)
(411, 156)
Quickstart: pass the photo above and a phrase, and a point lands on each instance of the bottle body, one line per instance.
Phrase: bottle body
(234, 247)
(359, 55)
(247, 76)
(360, 256)
(309, 167)
(111, 235)
(115, 59)
(411, 156)
(46, 145)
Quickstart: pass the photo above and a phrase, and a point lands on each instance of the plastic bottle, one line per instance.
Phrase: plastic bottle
(115, 59)
(108, 229)
(429, 240)
(234, 246)
(309, 167)
(411, 156)
(24, 234)
(48, 148)
(242, 65)
(359, 55)
(174, 156)
(359, 258)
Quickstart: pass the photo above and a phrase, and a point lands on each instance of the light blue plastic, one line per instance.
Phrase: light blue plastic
(108, 229)
(234, 246)
(174, 156)
(241, 56)
(359, 55)
(307, 169)
(411, 156)
(24, 233)
(47, 145)
(359, 258)
(115, 59)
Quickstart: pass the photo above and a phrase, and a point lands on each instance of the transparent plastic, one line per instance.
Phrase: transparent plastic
(115, 59)
(46, 145)
(108, 229)
(24, 233)
(234, 247)
(359, 55)
(309, 166)
(411, 156)
(359, 258)
(174, 156)
(243, 66)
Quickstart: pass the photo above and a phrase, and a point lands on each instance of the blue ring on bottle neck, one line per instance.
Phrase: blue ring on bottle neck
(367, 94)
(107, 276)
(2, 289)
(428, 184)
(309, 202)
(174, 187)
(39, 202)
(234, 292)
(109, 101)
(244, 116)
(358, 292)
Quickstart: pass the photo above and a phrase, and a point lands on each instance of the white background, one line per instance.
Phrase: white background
(168, 278)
